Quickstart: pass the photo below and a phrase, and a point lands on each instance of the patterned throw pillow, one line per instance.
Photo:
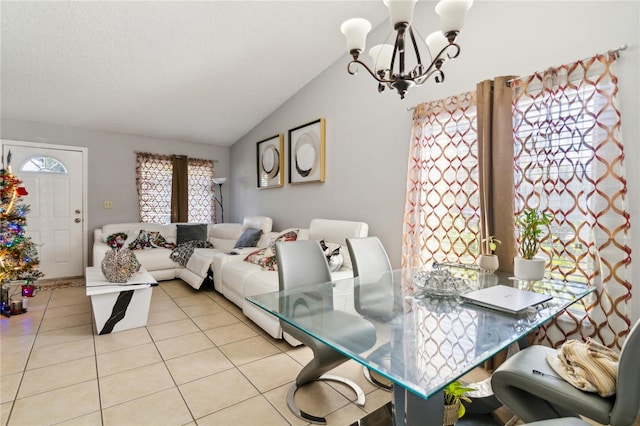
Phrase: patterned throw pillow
(266, 257)
(149, 240)
(116, 240)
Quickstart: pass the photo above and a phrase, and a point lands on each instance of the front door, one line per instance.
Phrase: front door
(54, 178)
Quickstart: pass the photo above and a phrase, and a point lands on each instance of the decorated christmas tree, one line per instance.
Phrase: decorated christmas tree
(18, 253)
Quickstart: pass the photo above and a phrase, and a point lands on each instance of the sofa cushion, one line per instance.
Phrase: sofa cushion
(192, 232)
(249, 238)
(266, 257)
(258, 222)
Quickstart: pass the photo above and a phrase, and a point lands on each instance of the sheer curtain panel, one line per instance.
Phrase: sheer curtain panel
(441, 220)
(569, 161)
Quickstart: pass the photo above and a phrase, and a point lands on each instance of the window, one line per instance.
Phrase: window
(201, 192)
(43, 165)
(154, 178)
(568, 161)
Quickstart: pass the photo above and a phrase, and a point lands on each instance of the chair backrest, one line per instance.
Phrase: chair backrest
(301, 263)
(368, 256)
(627, 405)
(374, 295)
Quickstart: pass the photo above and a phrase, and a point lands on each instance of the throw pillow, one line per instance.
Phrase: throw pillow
(334, 257)
(249, 238)
(196, 232)
(116, 240)
(266, 257)
(149, 240)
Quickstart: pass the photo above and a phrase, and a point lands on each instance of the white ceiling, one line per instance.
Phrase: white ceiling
(202, 71)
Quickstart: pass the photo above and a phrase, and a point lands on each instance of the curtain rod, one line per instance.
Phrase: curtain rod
(618, 50)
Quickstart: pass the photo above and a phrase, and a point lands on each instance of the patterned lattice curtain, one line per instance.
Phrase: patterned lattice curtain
(153, 182)
(569, 161)
(201, 191)
(441, 217)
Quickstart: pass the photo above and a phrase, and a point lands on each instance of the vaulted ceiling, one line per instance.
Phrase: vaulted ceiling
(201, 71)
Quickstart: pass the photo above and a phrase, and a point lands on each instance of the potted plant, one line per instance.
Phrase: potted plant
(454, 394)
(531, 223)
(487, 260)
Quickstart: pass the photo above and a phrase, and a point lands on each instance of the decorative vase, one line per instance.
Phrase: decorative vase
(451, 414)
(118, 266)
(488, 262)
(528, 269)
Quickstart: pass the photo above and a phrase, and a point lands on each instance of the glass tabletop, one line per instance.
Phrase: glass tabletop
(395, 324)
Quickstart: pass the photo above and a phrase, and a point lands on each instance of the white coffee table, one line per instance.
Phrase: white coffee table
(118, 307)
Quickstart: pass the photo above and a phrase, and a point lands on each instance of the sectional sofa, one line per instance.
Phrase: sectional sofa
(237, 272)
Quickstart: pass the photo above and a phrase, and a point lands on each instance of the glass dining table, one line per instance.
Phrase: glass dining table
(426, 336)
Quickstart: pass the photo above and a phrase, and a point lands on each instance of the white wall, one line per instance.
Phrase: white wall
(112, 164)
(367, 137)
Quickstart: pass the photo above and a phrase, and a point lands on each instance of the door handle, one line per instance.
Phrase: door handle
(77, 220)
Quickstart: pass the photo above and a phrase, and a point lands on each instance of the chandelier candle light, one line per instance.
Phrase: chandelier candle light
(389, 61)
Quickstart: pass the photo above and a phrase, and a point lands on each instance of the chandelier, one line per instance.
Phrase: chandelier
(390, 68)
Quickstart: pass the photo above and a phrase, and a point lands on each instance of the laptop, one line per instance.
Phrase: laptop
(505, 299)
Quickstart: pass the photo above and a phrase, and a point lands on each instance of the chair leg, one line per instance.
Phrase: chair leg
(373, 380)
(293, 407)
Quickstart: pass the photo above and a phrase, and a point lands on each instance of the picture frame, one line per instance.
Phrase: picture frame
(270, 162)
(307, 153)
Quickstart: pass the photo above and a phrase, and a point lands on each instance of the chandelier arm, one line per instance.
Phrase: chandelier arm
(439, 76)
(415, 46)
(355, 71)
(457, 50)
(437, 63)
(393, 55)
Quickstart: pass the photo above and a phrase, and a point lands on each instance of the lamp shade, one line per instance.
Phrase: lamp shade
(219, 181)
(436, 41)
(452, 14)
(381, 55)
(355, 31)
(400, 10)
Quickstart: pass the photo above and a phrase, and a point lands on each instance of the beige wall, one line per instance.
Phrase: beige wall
(368, 133)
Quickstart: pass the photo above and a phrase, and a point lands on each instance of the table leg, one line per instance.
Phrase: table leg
(412, 410)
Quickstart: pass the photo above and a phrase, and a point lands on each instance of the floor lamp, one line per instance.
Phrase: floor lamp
(219, 182)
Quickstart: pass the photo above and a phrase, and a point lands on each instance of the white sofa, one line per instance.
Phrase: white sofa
(236, 279)
(223, 236)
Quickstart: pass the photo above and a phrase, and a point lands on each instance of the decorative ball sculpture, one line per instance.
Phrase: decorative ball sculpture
(118, 266)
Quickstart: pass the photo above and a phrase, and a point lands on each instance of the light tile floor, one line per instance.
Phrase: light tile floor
(198, 361)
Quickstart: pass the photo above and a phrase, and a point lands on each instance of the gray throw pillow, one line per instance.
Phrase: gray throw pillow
(249, 238)
(196, 232)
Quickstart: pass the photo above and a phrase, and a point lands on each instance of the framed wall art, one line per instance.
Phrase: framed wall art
(270, 162)
(306, 153)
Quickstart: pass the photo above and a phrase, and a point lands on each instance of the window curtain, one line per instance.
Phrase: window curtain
(174, 188)
(153, 183)
(201, 191)
(569, 161)
(441, 220)
(495, 156)
(180, 189)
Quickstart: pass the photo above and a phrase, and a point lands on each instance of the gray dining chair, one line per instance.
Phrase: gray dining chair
(302, 264)
(544, 395)
(374, 296)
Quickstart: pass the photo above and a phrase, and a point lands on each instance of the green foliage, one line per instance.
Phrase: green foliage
(532, 222)
(490, 244)
(456, 391)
